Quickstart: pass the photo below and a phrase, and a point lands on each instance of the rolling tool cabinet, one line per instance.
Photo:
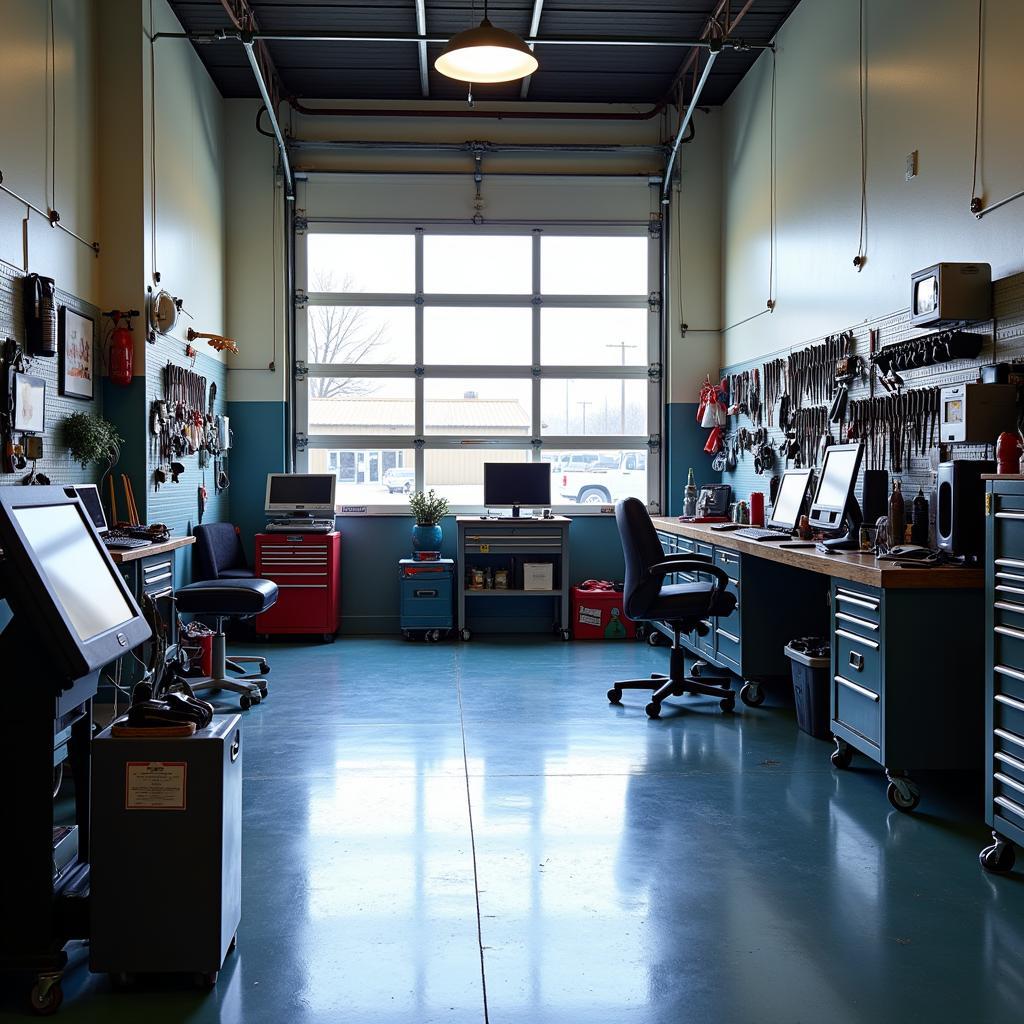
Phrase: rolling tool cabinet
(426, 595)
(1004, 665)
(509, 543)
(307, 570)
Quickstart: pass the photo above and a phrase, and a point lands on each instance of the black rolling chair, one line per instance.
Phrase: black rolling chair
(683, 606)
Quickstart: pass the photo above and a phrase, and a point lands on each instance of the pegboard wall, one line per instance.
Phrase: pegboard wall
(56, 462)
(1003, 342)
(177, 504)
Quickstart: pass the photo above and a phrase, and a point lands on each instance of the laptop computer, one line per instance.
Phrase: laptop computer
(89, 496)
(788, 502)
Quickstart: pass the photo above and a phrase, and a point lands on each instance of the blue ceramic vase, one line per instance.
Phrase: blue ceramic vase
(426, 538)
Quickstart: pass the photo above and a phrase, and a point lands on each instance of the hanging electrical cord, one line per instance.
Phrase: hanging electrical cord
(976, 201)
(50, 174)
(773, 203)
(152, 146)
(862, 239)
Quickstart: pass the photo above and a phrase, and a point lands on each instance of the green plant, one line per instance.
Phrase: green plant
(428, 508)
(91, 439)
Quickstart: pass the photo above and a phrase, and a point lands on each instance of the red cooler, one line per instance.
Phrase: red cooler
(597, 612)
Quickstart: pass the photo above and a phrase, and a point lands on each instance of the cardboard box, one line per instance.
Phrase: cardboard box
(538, 576)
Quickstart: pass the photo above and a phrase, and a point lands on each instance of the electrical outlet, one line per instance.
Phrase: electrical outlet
(911, 165)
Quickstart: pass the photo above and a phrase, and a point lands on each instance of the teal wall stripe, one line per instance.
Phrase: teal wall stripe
(259, 448)
(686, 440)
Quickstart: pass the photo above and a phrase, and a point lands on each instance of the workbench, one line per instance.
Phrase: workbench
(899, 694)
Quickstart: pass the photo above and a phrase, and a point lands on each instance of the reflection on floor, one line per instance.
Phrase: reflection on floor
(701, 868)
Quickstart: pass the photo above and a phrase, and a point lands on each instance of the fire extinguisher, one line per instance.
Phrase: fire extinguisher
(120, 355)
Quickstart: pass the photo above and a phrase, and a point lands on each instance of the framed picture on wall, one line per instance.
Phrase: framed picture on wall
(29, 404)
(76, 374)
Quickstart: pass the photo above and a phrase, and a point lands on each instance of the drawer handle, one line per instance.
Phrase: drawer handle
(302, 586)
(157, 566)
(856, 620)
(424, 593)
(1015, 576)
(1010, 805)
(1010, 737)
(862, 690)
(857, 661)
(160, 594)
(1010, 702)
(1002, 588)
(1017, 634)
(864, 602)
(1009, 606)
(1013, 563)
(1005, 670)
(150, 580)
(727, 635)
(1013, 762)
(1010, 515)
(1007, 781)
(857, 639)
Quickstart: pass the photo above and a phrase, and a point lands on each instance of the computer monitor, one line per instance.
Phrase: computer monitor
(835, 503)
(89, 495)
(517, 484)
(790, 499)
(306, 493)
(59, 577)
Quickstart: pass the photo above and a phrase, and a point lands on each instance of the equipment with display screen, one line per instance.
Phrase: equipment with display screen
(114, 540)
(835, 503)
(789, 503)
(517, 484)
(300, 493)
(950, 293)
(977, 413)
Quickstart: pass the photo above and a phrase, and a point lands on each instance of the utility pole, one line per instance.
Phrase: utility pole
(584, 404)
(621, 346)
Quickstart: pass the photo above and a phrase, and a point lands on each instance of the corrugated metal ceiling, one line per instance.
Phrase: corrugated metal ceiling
(390, 71)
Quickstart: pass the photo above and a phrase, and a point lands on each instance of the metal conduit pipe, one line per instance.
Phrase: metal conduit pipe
(261, 85)
(485, 147)
(532, 115)
(687, 117)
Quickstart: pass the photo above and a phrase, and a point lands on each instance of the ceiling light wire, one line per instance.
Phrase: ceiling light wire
(976, 200)
(862, 239)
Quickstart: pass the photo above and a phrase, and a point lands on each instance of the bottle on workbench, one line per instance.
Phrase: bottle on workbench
(919, 519)
(690, 497)
(897, 515)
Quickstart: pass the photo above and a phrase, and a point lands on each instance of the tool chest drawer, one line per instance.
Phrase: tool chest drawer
(858, 707)
(511, 540)
(307, 570)
(863, 603)
(729, 561)
(1006, 521)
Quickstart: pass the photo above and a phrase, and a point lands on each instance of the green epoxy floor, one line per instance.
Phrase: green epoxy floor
(703, 868)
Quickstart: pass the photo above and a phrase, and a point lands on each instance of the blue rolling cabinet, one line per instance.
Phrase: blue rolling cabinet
(1004, 665)
(426, 598)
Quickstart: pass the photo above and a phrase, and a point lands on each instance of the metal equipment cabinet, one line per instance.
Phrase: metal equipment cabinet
(426, 596)
(307, 570)
(1004, 670)
(786, 603)
(900, 693)
(512, 542)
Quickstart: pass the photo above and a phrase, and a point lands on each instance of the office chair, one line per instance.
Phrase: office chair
(219, 554)
(683, 606)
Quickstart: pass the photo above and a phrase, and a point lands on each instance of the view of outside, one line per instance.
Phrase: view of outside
(362, 355)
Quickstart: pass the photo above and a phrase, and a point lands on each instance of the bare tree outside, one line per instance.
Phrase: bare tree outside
(341, 334)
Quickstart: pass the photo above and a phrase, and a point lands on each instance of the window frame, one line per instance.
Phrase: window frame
(537, 442)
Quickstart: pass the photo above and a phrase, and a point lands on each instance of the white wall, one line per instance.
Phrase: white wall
(920, 95)
(24, 117)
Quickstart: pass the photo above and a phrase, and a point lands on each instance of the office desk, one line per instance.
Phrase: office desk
(906, 645)
(510, 542)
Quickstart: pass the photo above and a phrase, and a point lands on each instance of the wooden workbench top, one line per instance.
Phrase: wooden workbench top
(133, 554)
(856, 566)
(1016, 477)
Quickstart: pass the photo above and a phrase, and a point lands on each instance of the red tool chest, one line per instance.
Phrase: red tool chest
(307, 570)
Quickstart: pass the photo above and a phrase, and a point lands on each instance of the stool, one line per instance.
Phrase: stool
(230, 599)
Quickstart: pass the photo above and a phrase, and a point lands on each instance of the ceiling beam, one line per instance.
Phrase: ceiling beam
(538, 8)
(421, 29)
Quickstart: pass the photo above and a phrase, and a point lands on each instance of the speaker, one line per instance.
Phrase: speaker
(875, 495)
(960, 514)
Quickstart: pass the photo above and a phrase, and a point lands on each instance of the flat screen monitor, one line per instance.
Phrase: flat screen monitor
(836, 486)
(790, 499)
(300, 492)
(63, 584)
(89, 495)
(517, 484)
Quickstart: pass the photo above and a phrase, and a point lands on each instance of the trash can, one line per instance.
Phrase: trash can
(809, 661)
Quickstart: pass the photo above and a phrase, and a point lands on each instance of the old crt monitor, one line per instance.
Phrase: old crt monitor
(790, 499)
(59, 578)
(517, 484)
(301, 493)
(835, 503)
(950, 293)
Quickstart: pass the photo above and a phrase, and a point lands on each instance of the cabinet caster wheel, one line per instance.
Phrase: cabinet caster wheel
(640, 633)
(653, 710)
(903, 794)
(752, 695)
(842, 756)
(654, 638)
(245, 702)
(566, 635)
(46, 997)
(728, 704)
(465, 634)
(328, 638)
(264, 668)
(614, 696)
(999, 857)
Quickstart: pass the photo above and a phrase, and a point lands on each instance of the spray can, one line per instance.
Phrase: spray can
(690, 497)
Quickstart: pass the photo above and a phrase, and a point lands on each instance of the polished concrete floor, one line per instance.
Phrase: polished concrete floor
(464, 833)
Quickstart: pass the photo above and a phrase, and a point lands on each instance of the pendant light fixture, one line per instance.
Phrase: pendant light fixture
(486, 54)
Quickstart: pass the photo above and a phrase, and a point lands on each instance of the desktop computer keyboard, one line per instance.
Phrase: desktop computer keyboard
(117, 541)
(755, 533)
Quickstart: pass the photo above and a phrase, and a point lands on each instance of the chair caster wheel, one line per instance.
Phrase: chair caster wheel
(245, 702)
(653, 710)
(842, 756)
(465, 634)
(264, 668)
(654, 638)
(752, 695)
(614, 696)
(264, 690)
(46, 996)
(999, 857)
(728, 704)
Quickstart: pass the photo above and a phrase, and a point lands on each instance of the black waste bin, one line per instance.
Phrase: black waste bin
(809, 661)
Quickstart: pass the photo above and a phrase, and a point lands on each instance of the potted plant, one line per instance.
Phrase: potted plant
(91, 439)
(428, 510)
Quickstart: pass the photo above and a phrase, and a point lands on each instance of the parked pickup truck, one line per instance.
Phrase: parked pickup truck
(605, 481)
